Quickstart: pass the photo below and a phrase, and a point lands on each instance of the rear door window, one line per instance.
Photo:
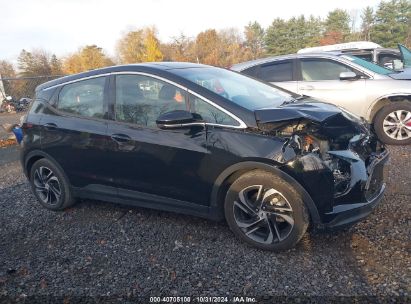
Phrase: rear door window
(253, 71)
(277, 71)
(84, 98)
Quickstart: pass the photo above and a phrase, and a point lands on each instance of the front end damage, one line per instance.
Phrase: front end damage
(333, 155)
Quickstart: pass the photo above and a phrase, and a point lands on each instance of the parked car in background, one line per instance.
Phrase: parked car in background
(363, 88)
(203, 141)
(395, 59)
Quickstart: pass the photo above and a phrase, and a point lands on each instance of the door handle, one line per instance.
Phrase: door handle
(120, 138)
(307, 88)
(50, 126)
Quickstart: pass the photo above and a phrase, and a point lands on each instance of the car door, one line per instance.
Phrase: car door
(145, 158)
(320, 78)
(279, 72)
(74, 131)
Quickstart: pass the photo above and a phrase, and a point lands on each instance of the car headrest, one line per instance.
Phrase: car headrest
(167, 92)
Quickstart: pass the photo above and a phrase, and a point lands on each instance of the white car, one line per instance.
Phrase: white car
(361, 87)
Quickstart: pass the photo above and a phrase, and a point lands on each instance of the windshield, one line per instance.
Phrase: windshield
(368, 65)
(242, 90)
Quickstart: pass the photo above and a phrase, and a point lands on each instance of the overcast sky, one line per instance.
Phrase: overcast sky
(62, 26)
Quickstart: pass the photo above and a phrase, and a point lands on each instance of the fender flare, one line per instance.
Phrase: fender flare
(252, 165)
(36, 153)
(370, 109)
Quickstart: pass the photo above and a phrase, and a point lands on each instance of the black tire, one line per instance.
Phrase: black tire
(382, 117)
(52, 191)
(281, 203)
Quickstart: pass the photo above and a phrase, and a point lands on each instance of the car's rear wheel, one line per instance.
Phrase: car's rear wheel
(393, 123)
(50, 186)
(265, 211)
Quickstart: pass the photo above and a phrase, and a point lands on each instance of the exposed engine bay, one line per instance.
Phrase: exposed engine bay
(323, 136)
(305, 137)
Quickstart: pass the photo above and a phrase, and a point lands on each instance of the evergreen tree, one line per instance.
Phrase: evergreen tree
(284, 37)
(367, 21)
(337, 24)
(254, 39)
(392, 23)
(56, 65)
(34, 63)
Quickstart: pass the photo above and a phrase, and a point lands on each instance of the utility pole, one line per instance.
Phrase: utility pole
(2, 92)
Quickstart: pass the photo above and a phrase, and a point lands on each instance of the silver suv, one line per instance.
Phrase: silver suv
(361, 87)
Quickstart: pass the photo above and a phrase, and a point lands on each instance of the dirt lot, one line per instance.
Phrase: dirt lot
(102, 249)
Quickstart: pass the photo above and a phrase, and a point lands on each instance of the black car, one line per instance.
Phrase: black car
(203, 141)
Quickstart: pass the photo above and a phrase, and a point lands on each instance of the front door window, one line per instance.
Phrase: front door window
(322, 69)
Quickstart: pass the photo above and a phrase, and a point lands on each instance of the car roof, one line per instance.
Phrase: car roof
(148, 67)
(353, 45)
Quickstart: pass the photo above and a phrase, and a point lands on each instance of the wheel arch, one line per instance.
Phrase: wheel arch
(36, 155)
(382, 101)
(229, 175)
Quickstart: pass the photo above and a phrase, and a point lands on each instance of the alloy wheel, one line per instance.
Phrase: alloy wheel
(47, 186)
(263, 215)
(397, 124)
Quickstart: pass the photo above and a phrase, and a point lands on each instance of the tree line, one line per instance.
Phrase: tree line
(388, 25)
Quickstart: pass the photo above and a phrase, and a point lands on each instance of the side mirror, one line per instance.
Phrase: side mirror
(348, 76)
(398, 65)
(177, 118)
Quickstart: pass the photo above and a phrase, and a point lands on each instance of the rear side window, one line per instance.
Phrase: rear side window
(85, 98)
(251, 71)
(278, 71)
(367, 57)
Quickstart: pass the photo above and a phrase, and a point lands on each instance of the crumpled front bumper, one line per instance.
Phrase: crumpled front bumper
(372, 192)
(346, 215)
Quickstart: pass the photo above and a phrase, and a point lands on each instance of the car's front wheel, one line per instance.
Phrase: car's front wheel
(50, 185)
(393, 123)
(265, 211)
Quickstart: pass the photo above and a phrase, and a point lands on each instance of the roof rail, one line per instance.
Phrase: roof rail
(355, 45)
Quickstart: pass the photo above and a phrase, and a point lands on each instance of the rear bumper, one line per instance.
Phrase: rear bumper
(347, 215)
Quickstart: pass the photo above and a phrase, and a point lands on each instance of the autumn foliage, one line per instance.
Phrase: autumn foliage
(139, 46)
(388, 25)
(87, 58)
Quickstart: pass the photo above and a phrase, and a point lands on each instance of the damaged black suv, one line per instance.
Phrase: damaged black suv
(203, 141)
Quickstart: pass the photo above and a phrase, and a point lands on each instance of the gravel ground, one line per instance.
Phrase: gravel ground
(102, 249)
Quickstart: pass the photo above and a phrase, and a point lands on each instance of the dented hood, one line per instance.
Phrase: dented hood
(332, 122)
(403, 75)
(311, 110)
